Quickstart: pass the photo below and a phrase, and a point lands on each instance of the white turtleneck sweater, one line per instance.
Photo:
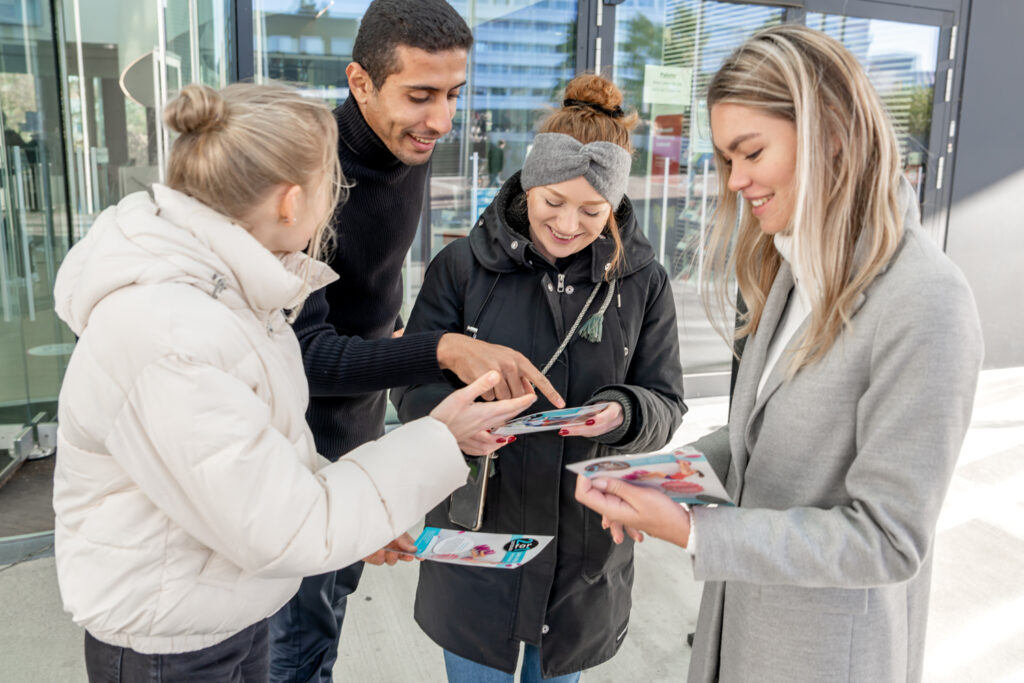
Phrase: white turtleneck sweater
(798, 308)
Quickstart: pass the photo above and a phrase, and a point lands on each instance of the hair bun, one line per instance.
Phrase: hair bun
(196, 109)
(592, 89)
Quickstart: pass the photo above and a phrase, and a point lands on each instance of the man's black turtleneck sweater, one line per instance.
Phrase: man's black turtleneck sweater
(345, 329)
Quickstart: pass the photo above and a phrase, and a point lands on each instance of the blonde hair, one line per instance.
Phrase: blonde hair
(847, 184)
(236, 145)
(592, 112)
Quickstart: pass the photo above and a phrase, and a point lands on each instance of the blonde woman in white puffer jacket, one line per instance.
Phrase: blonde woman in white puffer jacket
(189, 496)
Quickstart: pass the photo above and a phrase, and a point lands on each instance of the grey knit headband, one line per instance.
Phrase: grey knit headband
(556, 157)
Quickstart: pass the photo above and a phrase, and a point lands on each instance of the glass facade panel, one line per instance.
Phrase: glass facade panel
(34, 345)
(308, 44)
(80, 96)
(524, 53)
(123, 60)
(665, 53)
(199, 41)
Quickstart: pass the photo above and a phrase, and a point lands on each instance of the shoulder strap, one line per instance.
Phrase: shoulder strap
(471, 328)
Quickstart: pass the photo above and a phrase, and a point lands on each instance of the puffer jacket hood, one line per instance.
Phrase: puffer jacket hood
(501, 248)
(171, 237)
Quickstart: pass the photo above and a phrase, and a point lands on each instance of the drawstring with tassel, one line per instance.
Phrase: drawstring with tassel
(594, 328)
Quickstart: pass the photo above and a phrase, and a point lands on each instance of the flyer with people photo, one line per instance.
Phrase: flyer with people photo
(549, 419)
(685, 475)
(501, 551)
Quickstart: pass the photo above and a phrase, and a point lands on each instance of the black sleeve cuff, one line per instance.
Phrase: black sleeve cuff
(625, 432)
(346, 366)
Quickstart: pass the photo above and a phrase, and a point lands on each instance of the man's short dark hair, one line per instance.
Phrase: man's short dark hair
(430, 25)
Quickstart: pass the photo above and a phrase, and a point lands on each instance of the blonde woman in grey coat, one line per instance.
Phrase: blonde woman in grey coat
(853, 395)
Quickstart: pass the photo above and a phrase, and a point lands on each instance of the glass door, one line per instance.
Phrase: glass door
(523, 55)
(123, 59)
(34, 344)
(906, 54)
(198, 42)
(665, 53)
(80, 100)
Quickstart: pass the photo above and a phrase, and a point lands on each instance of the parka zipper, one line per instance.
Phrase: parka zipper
(561, 282)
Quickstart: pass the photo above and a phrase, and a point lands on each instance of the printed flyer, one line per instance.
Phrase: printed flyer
(477, 549)
(685, 475)
(550, 419)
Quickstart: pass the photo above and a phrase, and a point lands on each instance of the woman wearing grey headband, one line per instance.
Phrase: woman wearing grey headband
(557, 269)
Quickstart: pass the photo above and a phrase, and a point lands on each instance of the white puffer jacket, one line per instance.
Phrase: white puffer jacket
(188, 492)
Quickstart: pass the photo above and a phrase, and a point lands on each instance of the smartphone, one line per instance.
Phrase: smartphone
(466, 508)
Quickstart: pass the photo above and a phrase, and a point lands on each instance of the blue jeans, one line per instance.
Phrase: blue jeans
(461, 670)
(242, 658)
(304, 633)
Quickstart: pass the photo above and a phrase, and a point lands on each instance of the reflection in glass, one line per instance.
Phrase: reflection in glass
(34, 345)
(900, 60)
(123, 60)
(307, 43)
(524, 54)
(34, 232)
(665, 53)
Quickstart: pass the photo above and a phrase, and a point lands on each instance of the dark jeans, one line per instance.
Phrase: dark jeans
(242, 658)
(304, 633)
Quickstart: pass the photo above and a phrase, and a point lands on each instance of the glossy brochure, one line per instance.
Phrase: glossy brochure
(685, 475)
(478, 549)
(549, 419)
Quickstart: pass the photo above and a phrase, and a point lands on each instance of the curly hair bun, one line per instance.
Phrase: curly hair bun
(197, 109)
(595, 89)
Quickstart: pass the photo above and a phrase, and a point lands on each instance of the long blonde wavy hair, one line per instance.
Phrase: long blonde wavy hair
(847, 177)
(237, 144)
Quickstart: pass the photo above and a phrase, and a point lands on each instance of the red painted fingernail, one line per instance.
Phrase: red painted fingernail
(563, 432)
(511, 439)
(590, 422)
(502, 439)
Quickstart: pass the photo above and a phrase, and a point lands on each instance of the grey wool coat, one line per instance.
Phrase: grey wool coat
(822, 571)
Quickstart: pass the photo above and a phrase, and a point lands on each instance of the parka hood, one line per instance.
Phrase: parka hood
(498, 246)
(173, 238)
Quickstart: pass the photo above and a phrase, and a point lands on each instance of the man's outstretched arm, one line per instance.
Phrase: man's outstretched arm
(340, 365)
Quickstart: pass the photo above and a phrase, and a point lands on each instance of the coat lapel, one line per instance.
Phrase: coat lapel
(774, 381)
(751, 367)
(747, 405)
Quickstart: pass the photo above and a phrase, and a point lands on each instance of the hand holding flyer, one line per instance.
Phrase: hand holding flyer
(684, 475)
(550, 419)
(478, 549)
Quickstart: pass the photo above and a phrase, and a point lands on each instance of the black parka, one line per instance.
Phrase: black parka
(573, 600)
